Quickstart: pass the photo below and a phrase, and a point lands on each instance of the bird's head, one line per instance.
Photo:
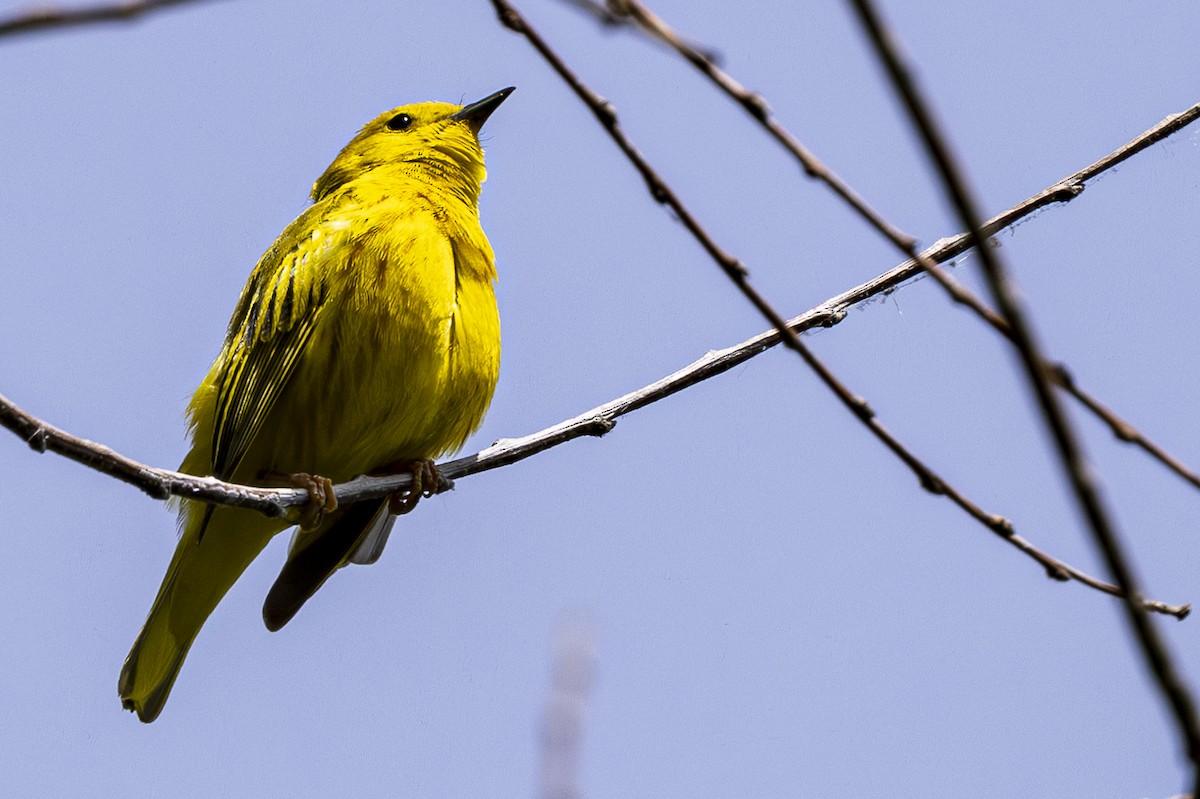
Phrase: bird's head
(440, 137)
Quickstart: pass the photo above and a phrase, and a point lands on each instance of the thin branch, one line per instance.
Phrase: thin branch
(756, 106)
(1119, 427)
(643, 19)
(1006, 296)
(39, 18)
(601, 13)
(612, 17)
(160, 483)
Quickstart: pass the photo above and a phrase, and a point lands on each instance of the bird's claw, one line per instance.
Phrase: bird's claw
(426, 481)
(321, 497)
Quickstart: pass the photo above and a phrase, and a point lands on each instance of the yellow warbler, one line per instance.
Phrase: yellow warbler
(366, 337)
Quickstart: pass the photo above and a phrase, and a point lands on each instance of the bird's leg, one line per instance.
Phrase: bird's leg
(426, 481)
(321, 499)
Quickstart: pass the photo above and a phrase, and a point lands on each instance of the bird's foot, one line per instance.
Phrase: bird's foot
(321, 498)
(426, 481)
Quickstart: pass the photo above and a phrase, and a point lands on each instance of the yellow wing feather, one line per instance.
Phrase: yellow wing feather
(269, 331)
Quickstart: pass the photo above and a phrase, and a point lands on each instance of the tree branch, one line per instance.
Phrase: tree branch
(1006, 296)
(158, 483)
(40, 18)
(612, 15)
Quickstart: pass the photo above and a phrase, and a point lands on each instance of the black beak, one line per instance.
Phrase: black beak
(477, 112)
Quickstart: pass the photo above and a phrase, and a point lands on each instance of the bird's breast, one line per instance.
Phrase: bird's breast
(404, 361)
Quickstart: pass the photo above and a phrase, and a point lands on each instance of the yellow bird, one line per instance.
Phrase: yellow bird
(366, 339)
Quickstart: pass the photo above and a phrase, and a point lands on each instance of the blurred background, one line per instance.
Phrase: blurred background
(775, 607)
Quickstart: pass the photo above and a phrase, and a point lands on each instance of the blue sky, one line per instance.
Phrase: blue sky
(777, 608)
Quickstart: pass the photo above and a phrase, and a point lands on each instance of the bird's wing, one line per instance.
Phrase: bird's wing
(273, 322)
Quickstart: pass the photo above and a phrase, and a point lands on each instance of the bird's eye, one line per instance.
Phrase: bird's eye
(400, 122)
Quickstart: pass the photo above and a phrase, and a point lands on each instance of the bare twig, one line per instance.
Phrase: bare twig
(1007, 299)
(756, 105)
(158, 483)
(1119, 427)
(611, 16)
(39, 18)
(600, 12)
(642, 18)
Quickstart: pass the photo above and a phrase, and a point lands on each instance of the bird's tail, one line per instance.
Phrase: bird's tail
(216, 546)
(353, 535)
